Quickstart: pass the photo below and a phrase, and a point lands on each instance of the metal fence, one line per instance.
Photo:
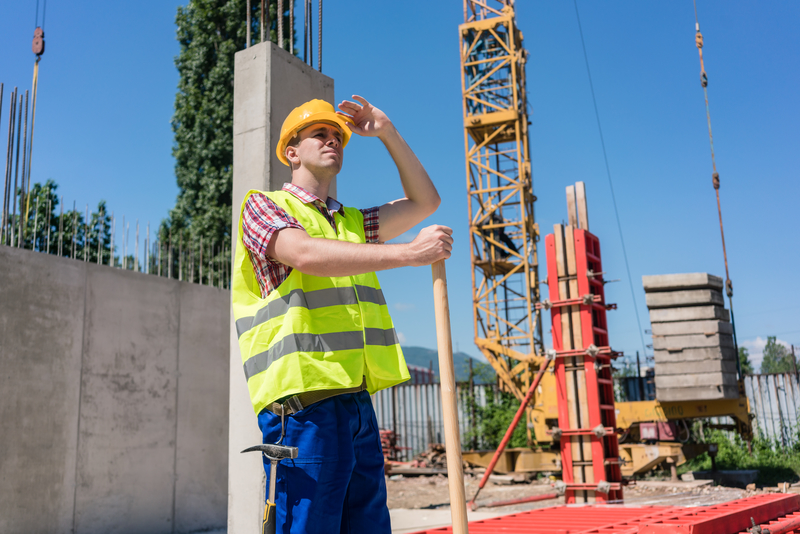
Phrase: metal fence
(414, 413)
(775, 403)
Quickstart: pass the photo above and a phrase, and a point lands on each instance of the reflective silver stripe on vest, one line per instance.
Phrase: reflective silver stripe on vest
(379, 336)
(370, 294)
(303, 343)
(321, 298)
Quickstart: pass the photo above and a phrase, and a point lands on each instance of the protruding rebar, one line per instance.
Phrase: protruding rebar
(16, 224)
(86, 235)
(74, 227)
(100, 239)
(319, 39)
(291, 27)
(61, 226)
(248, 25)
(280, 23)
(35, 224)
(201, 260)
(21, 238)
(9, 151)
(111, 245)
(148, 246)
(136, 250)
(49, 216)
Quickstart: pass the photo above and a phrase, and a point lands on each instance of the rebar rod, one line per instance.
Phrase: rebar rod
(305, 31)
(86, 235)
(291, 27)
(16, 221)
(123, 260)
(247, 24)
(49, 216)
(74, 226)
(61, 226)
(319, 38)
(147, 248)
(180, 257)
(201, 260)
(22, 184)
(262, 23)
(310, 37)
(111, 244)
(8, 164)
(136, 250)
(35, 224)
(100, 240)
(169, 255)
(280, 23)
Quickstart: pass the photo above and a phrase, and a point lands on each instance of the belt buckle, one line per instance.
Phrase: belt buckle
(294, 404)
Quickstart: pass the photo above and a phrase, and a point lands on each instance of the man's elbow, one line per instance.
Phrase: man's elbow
(433, 204)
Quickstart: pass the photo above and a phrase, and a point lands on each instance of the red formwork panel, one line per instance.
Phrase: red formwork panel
(728, 518)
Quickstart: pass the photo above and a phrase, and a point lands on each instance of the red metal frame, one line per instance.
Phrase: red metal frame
(727, 518)
(599, 384)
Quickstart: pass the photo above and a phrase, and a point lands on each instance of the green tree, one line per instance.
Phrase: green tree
(210, 32)
(744, 361)
(777, 358)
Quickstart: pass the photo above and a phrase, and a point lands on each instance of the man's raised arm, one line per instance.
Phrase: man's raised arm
(421, 198)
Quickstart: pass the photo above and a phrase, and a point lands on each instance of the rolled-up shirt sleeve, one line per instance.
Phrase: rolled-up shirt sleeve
(371, 224)
(261, 219)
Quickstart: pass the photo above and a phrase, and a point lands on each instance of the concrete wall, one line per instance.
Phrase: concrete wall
(268, 84)
(114, 389)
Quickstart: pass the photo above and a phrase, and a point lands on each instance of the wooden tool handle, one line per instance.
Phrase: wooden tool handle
(447, 377)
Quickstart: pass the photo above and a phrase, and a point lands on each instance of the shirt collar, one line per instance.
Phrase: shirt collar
(309, 198)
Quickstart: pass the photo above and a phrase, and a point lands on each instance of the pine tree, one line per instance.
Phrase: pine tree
(744, 361)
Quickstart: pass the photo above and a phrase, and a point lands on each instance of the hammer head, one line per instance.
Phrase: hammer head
(278, 452)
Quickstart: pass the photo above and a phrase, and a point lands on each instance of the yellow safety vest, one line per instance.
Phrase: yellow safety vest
(313, 333)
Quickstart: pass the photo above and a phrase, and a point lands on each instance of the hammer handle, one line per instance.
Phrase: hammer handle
(452, 437)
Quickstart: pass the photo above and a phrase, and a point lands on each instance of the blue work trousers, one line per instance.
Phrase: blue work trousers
(336, 484)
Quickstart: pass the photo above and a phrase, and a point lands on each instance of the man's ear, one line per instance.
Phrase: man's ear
(291, 155)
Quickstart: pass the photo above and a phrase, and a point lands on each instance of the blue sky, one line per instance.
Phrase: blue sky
(107, 86)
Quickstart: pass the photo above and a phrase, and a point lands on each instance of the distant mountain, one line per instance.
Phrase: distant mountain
(422, 357)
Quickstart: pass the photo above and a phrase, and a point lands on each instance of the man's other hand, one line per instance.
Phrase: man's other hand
(432, 244)
(364, 118)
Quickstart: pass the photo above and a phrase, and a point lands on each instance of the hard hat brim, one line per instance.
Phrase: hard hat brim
(327, 117)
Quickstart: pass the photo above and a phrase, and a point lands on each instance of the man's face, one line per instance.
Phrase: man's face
(319, 149)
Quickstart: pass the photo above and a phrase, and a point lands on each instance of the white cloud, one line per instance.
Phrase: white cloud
(756, 349)
(404, 306)
(401, 337)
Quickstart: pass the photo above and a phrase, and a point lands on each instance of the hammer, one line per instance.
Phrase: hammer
(275, 453)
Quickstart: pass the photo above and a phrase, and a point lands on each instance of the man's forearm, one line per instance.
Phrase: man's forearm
(327, 257)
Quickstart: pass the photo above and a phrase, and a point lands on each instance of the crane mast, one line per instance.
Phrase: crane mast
(503, 232)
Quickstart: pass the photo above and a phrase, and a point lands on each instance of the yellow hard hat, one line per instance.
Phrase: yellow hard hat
(305, 115)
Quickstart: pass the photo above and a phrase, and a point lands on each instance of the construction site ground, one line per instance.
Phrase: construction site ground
(420, 502)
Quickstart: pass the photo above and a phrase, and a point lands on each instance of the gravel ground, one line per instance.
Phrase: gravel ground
(431, 492)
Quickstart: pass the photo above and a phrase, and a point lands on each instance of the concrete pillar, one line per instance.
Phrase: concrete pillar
(268, 84)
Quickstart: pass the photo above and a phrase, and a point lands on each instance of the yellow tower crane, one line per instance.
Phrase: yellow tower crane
(503, 232)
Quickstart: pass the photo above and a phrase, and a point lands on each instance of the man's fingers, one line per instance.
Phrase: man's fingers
(361, 100)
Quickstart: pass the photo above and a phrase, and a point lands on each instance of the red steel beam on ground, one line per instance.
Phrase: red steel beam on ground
(728, 518)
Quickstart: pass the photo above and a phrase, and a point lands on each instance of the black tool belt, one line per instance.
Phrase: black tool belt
(298, 402)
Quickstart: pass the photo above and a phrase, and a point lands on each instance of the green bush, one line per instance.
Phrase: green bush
(774, 462)
(492, 422)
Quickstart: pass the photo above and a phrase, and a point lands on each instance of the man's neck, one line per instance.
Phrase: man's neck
(318, 187)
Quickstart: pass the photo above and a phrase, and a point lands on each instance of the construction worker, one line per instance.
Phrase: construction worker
(314, 329)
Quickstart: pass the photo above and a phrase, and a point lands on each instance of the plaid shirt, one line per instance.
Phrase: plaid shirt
(262, 218)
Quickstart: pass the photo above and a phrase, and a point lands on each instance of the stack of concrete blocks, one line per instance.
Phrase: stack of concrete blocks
(692, 337)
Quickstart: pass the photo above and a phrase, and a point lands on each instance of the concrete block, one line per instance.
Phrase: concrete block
(41, 334)
(676, 343)
(268, 83)
(679, 299)
(201, 462)
(691, 313)
(697, 393)
(695, 354)
(682, 328)
(678, 282)
(695, 380)
(694, 367)
(128, 423)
